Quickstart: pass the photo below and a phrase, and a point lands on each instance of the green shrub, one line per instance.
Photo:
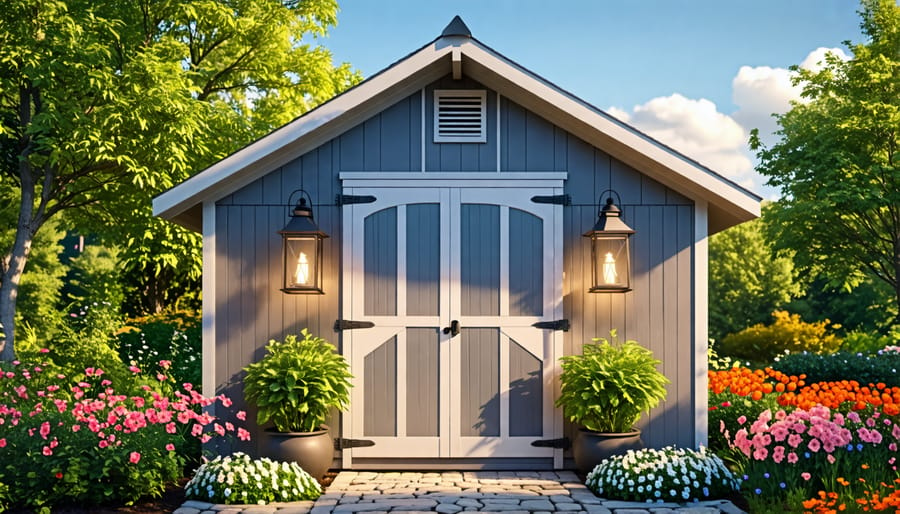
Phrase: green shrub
(667, 475)
(609, 386)
(717, 362)
(787, 334)
(838, 366)
(173, 336)
(297, 383)
(865, 342)
(238, 479)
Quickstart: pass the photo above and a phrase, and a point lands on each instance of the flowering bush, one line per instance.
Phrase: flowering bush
(813, 449)
(80, 440)
(669, 474)
(238, 479)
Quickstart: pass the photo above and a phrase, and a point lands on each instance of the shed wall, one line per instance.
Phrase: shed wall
(658, 313)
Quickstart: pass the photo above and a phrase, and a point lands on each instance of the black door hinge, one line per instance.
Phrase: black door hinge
(346, 324)
(341, 443)
(560, 324)
(556, 200)
(351, 199)
(553, 443)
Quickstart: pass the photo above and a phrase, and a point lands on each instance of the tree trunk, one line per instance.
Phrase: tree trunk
(14, 262)
(14, 266)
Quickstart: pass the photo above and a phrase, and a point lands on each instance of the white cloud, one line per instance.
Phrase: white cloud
(695, 128)
(761, 91)
(718, 140)
(816, 59)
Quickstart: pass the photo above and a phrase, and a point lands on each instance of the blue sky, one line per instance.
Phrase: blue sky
(696, 74)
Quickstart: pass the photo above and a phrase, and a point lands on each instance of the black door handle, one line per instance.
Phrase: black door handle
(453, 329)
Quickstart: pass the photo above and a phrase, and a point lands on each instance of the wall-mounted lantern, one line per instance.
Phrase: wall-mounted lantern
(610, 250)
(302, 241)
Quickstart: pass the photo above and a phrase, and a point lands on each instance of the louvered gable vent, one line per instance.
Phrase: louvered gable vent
(460, 116)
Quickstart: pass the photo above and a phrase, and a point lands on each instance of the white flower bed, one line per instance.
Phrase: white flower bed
(238, 479)
(667, 475)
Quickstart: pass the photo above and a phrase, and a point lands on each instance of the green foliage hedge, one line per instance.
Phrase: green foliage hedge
(787, 334)
(173, 336)
(838, 366)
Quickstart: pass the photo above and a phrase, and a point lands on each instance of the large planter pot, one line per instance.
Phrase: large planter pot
(313, 451)
(592, 447)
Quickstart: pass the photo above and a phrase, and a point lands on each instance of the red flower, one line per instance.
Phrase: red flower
(59, 475)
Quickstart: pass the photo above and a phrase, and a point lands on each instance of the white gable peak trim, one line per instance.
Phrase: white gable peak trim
(728, 202)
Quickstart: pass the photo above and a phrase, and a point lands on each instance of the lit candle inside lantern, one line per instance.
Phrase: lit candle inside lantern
(609, 269)
(301, 274)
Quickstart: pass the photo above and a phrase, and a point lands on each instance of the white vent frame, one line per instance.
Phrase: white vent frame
(475, 130)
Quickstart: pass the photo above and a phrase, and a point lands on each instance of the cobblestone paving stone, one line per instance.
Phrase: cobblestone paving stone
(506, 492)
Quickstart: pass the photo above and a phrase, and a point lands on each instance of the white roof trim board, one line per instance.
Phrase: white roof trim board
(729, 203)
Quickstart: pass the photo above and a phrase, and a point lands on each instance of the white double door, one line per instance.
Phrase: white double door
(453, 279)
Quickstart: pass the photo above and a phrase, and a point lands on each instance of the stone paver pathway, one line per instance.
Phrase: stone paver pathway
(509, 492)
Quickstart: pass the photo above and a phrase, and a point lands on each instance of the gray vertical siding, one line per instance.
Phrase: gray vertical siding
(657, 313)
(480, 259)
(479, 382)
(250, 308)
(422, 381)
(423, 265)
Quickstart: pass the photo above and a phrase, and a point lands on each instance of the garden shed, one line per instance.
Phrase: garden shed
(455, 187)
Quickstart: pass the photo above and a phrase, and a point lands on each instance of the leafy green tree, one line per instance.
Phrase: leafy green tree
(747, 279)
(837, 161)
(105, 103)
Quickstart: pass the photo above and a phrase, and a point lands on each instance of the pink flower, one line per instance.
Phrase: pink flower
(794, 440)
(814, 445)
(2, 442)
(196, 430)
(47, 451)
(241, 415)
(792, 458)
(170, 428)
(103, 443)
(805, 476)
(170, 447)
(134, 369)
(243, 435)
(778, 454)
(76, 428)
(165, 364)
(134, 457)
(44, 350)
(205, 439)
(830, 458)
(45, 429)
(741, 420)
(226, 401)
(219, 429)
(760, 454)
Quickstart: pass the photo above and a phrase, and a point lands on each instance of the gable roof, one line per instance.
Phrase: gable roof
(456, 51)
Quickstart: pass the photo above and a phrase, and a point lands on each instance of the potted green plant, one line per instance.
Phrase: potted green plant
(295, 386)
(606, 389)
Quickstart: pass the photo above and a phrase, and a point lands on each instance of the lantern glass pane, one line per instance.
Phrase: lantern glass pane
(610, 261)
(301, 263)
